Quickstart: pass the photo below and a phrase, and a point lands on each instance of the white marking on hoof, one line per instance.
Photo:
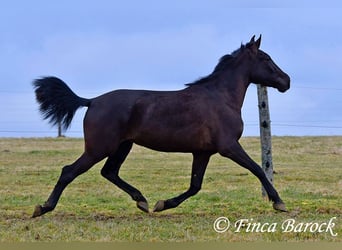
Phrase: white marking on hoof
(143, 205)
(159, 206)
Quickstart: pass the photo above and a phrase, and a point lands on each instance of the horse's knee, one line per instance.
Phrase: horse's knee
(105, 173)
(110, 175)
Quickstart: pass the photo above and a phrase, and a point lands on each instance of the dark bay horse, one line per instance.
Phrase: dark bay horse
(202, 119)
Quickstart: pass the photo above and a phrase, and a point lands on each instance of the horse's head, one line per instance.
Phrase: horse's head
(263, 70)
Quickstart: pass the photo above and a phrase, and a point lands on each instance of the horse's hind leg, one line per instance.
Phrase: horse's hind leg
(199, 165)
(69, 173)
(111, 172)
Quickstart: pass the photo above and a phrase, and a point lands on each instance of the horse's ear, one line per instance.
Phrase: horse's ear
(258, 42)
(254, 45)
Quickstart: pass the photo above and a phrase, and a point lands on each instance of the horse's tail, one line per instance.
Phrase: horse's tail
(57, 102)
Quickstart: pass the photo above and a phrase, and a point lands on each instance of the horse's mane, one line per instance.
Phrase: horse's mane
(225, 62)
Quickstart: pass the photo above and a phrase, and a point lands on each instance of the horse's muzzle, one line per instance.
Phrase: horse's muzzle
(284, 83)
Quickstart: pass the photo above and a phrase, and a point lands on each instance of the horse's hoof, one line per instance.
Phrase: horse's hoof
(280, 207)
(143, 205)
(159, 206)
(38, 211)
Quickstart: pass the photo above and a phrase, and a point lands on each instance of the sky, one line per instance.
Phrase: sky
(99, 46)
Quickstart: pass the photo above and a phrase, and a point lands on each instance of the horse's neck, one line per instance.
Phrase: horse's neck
(234, 87)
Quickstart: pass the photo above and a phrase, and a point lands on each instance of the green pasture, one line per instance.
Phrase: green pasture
(308, 178)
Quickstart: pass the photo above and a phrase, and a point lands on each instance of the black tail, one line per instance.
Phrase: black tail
(57, 102)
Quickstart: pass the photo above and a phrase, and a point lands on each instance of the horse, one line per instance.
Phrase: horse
(204, 118)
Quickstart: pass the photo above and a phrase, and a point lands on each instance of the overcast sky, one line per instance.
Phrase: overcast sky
(99, 46)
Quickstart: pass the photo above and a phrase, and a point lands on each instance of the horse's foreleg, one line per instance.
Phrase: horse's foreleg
(236, 153)
(199, 165)
(69, 173)
(111, 172)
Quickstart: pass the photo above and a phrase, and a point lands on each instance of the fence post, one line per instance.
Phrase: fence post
(59, 125)
(265, 134)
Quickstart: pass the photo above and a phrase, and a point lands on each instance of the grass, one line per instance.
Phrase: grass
(309, 180)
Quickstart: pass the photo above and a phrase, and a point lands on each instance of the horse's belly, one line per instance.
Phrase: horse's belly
(183, 140)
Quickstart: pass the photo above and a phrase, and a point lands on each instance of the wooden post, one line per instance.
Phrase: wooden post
(59, 129)
(265, 134)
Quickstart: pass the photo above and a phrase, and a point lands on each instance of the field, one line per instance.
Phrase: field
(308, 178)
